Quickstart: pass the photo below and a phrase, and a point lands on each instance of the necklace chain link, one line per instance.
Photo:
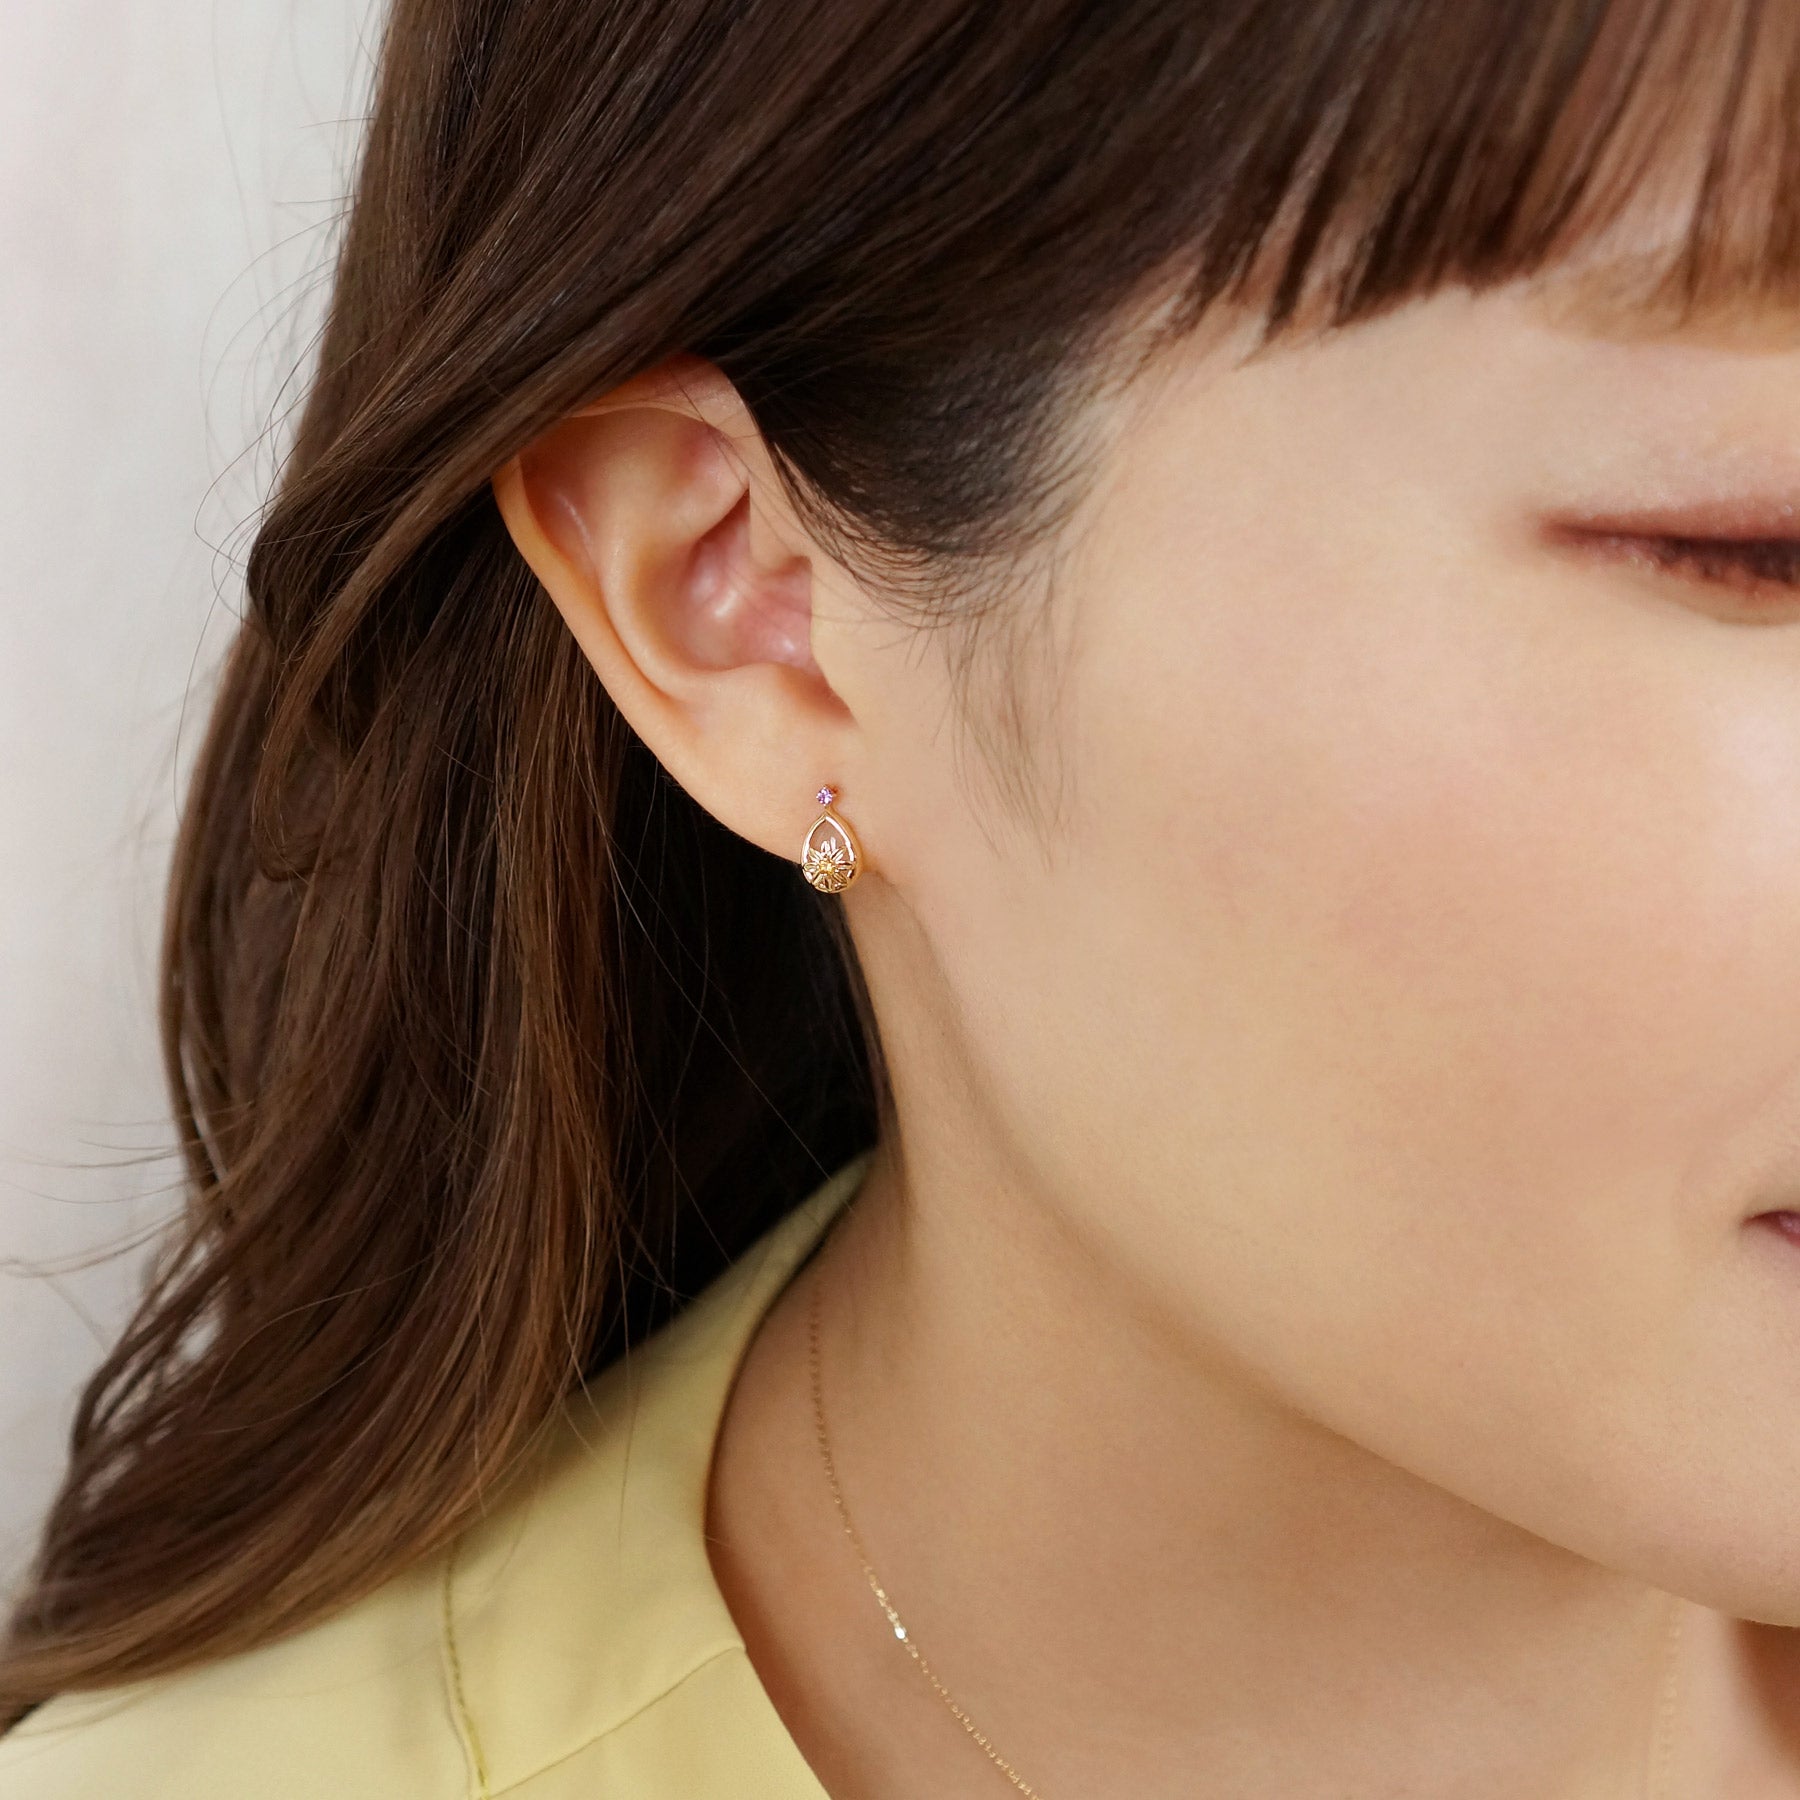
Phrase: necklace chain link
(901, 1633)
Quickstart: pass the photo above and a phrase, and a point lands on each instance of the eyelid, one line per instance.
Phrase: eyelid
(1756, 564)
(1731, 517)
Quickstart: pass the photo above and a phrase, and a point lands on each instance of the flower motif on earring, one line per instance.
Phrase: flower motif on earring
(830, 858)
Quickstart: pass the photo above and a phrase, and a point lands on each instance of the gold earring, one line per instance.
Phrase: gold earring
(830, 858)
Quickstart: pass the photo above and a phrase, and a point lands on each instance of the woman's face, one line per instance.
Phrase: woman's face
(1403, 995)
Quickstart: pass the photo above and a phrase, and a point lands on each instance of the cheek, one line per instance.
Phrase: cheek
(1541, 914)
(1525, 920)
(1436, 1008)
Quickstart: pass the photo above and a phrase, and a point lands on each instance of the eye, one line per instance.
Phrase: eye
(1761, 573)
(1751, 563)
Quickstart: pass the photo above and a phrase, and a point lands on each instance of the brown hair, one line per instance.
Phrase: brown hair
(487, 1047)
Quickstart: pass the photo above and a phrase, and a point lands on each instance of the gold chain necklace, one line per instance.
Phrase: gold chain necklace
(875, 1587)
(1661, 1746)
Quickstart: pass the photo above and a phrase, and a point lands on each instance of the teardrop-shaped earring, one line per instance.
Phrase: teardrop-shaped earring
(830, 858)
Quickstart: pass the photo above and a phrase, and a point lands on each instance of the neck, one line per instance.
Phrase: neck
(1126, 1560)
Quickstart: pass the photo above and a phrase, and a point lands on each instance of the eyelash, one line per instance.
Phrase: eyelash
(1752, 567)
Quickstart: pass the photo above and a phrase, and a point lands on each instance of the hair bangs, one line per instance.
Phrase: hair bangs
(1641, 155)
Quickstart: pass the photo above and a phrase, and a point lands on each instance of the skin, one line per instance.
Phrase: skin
(1317, 1327)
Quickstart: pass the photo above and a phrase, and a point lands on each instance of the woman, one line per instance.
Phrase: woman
(985, 973)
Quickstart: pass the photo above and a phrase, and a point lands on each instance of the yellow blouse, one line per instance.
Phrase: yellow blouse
(572, 1644)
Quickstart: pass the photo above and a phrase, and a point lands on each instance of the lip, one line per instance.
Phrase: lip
(1785, 1222)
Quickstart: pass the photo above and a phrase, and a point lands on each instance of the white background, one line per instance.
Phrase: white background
(171, 177)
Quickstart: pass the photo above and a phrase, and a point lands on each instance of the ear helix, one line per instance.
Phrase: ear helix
(830, 858)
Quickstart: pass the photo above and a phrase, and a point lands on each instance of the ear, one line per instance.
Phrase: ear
(656, 523)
